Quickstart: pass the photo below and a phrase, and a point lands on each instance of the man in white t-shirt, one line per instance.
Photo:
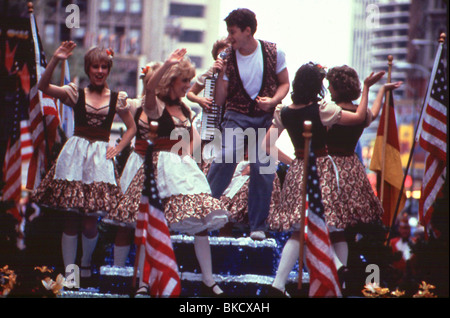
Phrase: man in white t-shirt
(253, 80)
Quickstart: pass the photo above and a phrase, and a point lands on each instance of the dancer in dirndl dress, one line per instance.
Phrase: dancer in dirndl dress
(307, 95)
(184, 190)
(352, 200)
(84, 179)
(124, 215)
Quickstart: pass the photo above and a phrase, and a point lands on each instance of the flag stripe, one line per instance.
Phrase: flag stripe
(393, 170)
(160, 267)
(323, 273)
(433, 181)
(25, 140)
(433, 138)
(41, 108)
(13, 175)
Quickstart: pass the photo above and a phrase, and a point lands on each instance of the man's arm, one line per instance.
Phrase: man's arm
(269, 103)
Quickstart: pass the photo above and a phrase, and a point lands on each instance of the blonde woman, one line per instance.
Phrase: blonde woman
(83, 178)
(188, 205)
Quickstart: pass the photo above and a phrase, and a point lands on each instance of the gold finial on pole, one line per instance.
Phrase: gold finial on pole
(307, 134)
(442, 37)
(30, 7)
(153, 131)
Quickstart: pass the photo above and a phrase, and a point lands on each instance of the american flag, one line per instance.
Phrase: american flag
(13, 163)
(433, 139)
(160, 266)
(26, 142)
(44, 118)
(324, 281)
(15, 86)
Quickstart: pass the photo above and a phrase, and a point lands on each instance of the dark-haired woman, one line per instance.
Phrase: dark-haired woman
(351, 200)
(308, 91)
(83, 178)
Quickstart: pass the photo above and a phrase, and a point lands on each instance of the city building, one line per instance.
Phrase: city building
(408, 30)
(138, 31)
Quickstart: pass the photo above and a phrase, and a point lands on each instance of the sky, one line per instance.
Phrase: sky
(319, 31)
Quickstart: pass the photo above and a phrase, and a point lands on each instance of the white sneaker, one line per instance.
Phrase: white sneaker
(257, 235)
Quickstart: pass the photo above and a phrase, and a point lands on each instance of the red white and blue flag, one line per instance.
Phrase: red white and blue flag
(433, 139)
(44, 117)
(16, 58)
(324, 281)
(160, 266)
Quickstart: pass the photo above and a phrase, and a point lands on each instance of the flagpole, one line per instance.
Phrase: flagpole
(307, 125)
(386, 126)
(418, 129)
(36, 41)
(153, 134)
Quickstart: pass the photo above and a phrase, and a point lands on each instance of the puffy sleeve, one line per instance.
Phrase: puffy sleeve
(134, 103)
(277, 117)
(72, 94)
(156, 112)
(122, 104)
(330, 113)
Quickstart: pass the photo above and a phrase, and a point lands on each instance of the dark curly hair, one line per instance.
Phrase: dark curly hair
(219, 45)
(307, 85)
(345, 82)
(242, 18)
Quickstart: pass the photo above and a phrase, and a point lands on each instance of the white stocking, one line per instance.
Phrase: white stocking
(69, 245)
(203, 253)
(121, 255)
(88, 249)
(289, 257)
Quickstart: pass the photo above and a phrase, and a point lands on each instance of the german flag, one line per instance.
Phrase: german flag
(393, 174)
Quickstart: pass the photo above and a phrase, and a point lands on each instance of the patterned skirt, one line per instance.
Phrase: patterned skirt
(81, 180)
(184, 191)
(286, 203)
(132, 183)
(235, 197)
(348, 195)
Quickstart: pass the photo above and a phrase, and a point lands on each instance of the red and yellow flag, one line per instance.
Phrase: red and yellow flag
(393, 171)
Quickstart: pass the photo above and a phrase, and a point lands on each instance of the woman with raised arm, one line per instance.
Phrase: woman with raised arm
(188, 205)
(307, 104)
(352, 200)
(124, 216)
(83, 179)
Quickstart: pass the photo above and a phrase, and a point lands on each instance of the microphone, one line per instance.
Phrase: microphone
(222, 55)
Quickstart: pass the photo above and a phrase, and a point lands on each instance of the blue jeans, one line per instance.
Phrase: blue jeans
(234, 127)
